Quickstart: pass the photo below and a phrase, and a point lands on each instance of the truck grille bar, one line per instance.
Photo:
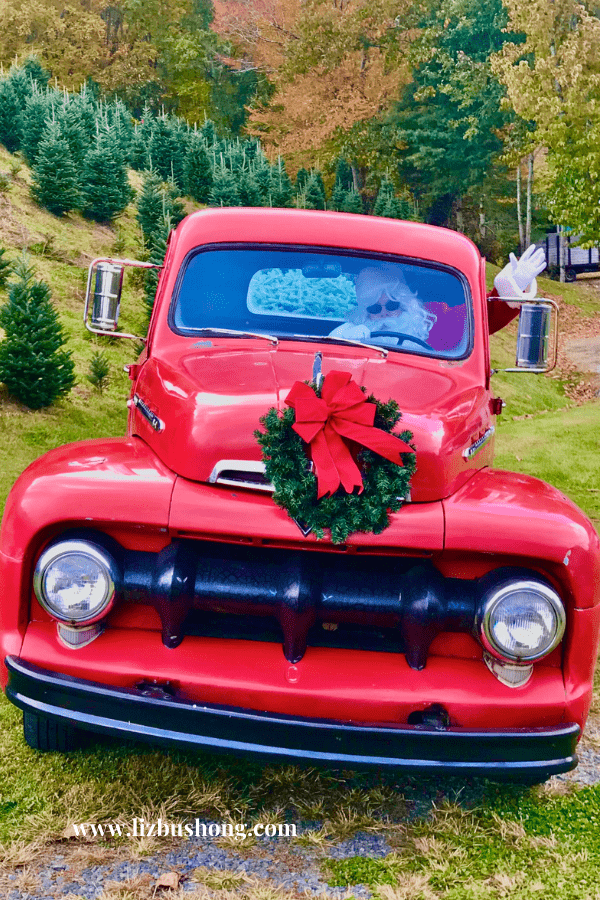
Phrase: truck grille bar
(299, 590)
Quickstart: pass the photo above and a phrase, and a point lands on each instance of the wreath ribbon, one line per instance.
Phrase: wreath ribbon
(326, 423)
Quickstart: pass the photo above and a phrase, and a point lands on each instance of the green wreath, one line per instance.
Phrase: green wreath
(385, 484)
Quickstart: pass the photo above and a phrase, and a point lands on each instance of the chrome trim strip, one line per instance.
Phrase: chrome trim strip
(473, 449)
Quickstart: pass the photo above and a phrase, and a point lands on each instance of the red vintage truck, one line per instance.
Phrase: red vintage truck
(153, 589)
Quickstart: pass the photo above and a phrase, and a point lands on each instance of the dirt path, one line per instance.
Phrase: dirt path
(579, 349)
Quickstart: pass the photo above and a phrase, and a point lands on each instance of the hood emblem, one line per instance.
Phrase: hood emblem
(147, 413)
(471, 451)
(305, 529)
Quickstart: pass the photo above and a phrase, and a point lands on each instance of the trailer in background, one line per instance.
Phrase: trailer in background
(577, 259)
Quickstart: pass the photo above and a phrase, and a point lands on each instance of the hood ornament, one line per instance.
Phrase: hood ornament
(317, 372)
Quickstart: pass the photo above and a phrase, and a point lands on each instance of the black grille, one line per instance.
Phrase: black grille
(390, 603)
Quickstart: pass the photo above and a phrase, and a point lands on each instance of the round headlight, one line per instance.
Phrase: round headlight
(521, 621)
(75, 581)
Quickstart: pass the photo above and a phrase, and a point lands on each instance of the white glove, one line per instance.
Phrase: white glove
(520, 274)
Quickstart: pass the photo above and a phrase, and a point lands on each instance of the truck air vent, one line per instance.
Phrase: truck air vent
(246, 473)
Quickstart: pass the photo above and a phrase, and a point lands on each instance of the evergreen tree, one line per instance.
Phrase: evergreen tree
(105, 190)
(314, 193)
(197, 170)
(158, 249)
(55, 183)
(157, 201)
(5, 267)
(249, 190)
(76, 117)
(281, 189)
(406, 208)
(99, 371)
(208, 132)
(150, 205)
(343, 174)
(36, 114)
(392, 209)
(33, 366)
(448, 123)
(119, 121)
(140, 141)
(15, 91)
(338, 196)
(167, 150)
(353, 203)
(11, 124)
(225, 190)
(35, 72)
(302, 176)
(384, 195)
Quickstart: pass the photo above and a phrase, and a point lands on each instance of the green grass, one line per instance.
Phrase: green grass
(562, 448)
(514, 845)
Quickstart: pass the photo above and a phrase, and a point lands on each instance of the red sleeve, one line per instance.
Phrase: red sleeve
(499, 312)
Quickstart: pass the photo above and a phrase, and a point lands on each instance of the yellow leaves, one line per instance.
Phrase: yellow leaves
(556, 72)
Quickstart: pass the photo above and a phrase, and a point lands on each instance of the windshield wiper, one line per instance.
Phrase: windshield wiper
(229, 332)
(336, 340)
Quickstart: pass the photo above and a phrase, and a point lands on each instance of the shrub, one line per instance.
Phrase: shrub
(99, 371)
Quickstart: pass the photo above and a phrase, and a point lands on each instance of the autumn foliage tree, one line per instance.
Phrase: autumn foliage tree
(553, 82)
(335, 64)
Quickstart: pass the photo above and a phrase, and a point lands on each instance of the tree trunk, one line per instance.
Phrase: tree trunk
(561, 252)
(529, 190)
(460, 219)
(482, 227)
(519, 211)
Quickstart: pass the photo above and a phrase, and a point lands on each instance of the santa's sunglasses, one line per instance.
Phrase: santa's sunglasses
(391, 306)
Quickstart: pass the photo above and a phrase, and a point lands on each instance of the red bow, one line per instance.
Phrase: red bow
(342, 412)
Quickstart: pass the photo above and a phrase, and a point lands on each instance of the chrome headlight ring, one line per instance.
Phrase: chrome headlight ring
(74, 581)
(512, 608)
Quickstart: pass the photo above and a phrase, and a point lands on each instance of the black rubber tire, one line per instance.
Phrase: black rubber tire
(42, 733)
(570, 275)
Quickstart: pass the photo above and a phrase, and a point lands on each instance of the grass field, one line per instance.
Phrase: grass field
(449, 839)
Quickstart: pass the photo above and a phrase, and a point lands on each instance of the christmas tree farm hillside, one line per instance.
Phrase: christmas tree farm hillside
(33, 366)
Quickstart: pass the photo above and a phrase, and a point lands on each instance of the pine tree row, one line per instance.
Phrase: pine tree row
(80, 147)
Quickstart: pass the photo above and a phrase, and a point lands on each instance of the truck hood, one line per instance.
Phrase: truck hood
(209, 403)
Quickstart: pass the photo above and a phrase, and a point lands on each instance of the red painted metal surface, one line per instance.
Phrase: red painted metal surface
(505, 513)
(336, 684)
(150, 487)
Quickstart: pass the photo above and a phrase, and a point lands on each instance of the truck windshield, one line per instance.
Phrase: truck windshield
(287, 292)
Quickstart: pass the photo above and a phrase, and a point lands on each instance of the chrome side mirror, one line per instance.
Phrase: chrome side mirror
(107, 296)
(537, 339)
(104, 299)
